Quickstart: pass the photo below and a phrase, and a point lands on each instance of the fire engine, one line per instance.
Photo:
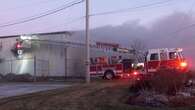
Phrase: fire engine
(159, 61)
(156, 59)
(169, 58)
(110, 67)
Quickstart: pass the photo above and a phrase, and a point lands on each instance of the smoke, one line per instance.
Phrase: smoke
(166, 32)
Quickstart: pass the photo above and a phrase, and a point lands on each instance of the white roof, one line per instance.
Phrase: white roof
(165, 50)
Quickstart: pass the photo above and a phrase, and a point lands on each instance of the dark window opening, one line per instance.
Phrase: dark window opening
(154, 56)
(173, 55)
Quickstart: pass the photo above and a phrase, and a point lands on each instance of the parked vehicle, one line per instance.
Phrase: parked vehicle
(159, 65)
(109, 68)
(155, 60)
(165, 58)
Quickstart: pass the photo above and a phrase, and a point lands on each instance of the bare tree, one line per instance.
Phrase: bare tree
(139, 48)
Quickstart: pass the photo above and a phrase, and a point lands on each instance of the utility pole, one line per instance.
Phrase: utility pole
(87, 44)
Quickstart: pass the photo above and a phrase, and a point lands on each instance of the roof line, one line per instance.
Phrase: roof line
(44, 33)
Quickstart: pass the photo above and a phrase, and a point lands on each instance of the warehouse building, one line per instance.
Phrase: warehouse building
(50, 54)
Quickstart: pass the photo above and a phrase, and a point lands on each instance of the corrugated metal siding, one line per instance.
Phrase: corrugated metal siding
(54, 57)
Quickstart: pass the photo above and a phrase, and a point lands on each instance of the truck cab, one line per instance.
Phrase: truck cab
(170, 58)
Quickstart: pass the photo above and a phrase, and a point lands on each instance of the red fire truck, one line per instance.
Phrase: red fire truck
(165, 58)
(111, 67)
(155, 60)
(160, 63)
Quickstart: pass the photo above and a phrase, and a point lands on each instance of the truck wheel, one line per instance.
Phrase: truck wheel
(109, 75)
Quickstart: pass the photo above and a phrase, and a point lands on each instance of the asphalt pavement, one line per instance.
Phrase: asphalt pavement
(16, 89)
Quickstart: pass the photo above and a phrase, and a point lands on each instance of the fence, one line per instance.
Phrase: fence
(40, 69)
(32, 66)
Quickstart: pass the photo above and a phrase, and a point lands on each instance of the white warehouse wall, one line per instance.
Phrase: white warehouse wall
(55, 55)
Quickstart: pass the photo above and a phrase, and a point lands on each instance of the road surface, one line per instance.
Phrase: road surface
(15, 89)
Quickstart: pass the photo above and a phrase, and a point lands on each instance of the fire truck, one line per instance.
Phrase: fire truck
(110, 67)
(169, 58)
(156, 59)
(159, 63)
(159, 59)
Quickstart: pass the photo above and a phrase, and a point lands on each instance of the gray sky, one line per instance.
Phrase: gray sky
(14, 10)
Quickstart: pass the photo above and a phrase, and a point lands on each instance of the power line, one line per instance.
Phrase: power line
(191, 8)
(50, 12)
(95, 14)
(148, 5)
(66, 23)
(117, 11)
(28, 4)
(189, 13)
(129, 9)
(182, 29)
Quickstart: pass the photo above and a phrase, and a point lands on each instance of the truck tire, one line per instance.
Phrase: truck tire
(109, 75)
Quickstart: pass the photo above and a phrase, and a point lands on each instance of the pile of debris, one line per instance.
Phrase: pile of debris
(153, 99)
(167, 89)
(11, 77)
(148, 98)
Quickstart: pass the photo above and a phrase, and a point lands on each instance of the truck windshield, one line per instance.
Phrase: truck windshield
(175, 55)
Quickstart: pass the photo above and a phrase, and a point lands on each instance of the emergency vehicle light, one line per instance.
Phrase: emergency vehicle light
(183, 64)
(18, 45)
(135, 73)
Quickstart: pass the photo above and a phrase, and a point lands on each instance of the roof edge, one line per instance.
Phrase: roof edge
(41, 33)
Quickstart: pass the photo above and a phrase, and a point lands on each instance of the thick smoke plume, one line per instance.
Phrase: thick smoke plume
(169, 31)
